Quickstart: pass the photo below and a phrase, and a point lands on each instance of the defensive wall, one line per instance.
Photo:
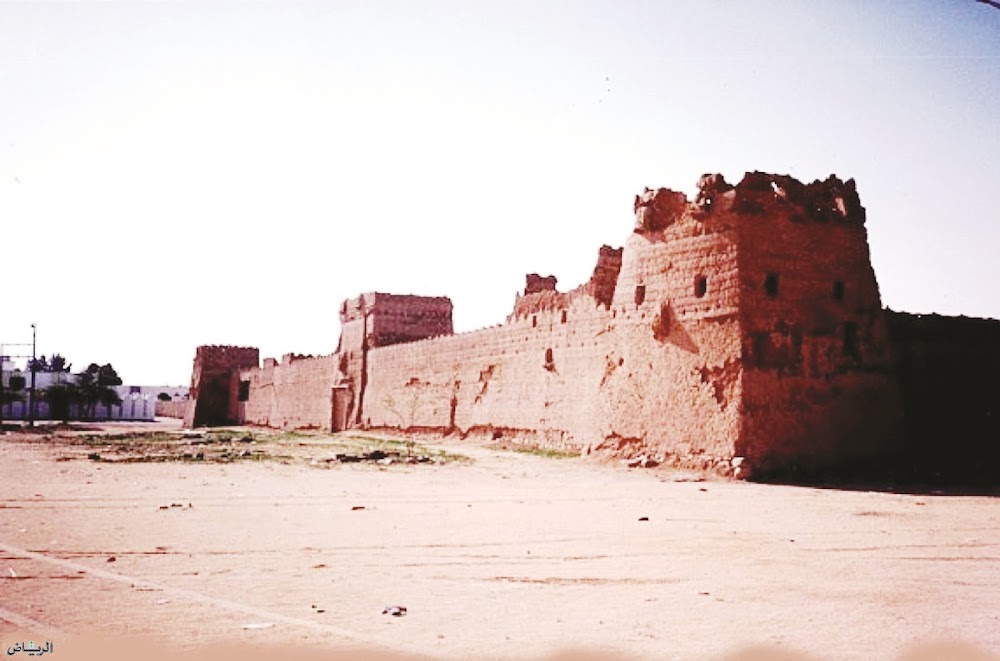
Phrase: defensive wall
(176, 408)
(947, 369)
(740, 332)
(215, 384)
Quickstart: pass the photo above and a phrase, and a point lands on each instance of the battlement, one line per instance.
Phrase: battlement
(742, 331)
(758, 193)
(218, 355)
(377, 319)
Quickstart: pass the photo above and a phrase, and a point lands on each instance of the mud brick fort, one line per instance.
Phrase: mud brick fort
(741, 332)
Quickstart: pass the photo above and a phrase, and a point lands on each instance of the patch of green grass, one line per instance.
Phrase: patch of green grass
(188, 457)
(122, 439)
(548, 453)
(228, 445)
(448, 457)
(364, 443)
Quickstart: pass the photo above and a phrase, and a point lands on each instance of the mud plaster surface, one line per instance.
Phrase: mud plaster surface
(513, 555)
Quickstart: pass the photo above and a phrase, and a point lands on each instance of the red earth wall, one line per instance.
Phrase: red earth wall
(211, 383)
(658, 376)
(741, 332)
(292, 394)
(818, 382)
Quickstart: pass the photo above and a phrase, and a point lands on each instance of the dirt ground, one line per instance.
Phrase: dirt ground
(505, 555)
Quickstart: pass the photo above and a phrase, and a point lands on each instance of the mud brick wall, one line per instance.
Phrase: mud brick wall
(657, 375)
(211, 381)
(173, 409)
(745, 324)
(818, 383)
(393, 319)
(292, 394)
(948, 369)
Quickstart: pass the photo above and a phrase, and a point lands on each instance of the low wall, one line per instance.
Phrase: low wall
(172, 409)
(130, 409)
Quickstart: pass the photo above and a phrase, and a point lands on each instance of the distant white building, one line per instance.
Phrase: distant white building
(137, 402)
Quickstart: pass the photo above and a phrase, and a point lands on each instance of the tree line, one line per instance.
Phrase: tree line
(86, 389)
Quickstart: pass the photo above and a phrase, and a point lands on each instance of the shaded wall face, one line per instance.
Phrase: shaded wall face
(211, 383)
(392, 319)
(397, 319)
(948, 369)
(818, 386)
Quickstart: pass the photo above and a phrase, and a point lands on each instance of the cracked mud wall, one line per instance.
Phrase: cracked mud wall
(658, 376)
(746, 324)
(298, 391)
(211, 383)
(293, 394)
(819, 388)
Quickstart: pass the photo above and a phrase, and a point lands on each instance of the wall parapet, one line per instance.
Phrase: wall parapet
(742, 331)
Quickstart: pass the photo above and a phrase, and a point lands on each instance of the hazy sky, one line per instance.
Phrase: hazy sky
(183, 173)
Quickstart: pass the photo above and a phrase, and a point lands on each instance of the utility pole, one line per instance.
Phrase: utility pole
(31, 391)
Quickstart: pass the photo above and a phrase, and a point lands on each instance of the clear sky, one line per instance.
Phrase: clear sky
(183, 173)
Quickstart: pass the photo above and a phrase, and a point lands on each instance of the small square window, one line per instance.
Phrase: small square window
(700, 286)
(640, 294)
(771, 285)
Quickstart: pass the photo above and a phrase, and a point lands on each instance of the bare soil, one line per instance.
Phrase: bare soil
(269, 539)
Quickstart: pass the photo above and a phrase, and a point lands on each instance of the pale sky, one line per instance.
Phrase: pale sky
(183, 173)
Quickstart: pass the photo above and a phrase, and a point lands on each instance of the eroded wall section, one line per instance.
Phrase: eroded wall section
(212, 383)
(818, 385)
(645, 363)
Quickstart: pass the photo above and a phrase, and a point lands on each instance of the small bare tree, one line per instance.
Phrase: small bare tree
(407, 406)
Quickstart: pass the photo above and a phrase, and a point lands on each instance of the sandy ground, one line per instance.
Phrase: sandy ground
(510, 556)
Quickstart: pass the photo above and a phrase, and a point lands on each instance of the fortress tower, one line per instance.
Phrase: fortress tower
(214, 387)
(741, 332)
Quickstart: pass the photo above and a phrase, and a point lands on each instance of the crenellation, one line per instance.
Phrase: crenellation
(742, 333)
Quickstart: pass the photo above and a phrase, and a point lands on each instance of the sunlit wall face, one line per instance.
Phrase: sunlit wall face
(174, 175)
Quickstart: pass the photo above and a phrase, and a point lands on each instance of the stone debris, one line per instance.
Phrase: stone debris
(642, 462)
(379, 457)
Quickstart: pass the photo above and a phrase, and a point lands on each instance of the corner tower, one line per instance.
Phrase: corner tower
(818, 385)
